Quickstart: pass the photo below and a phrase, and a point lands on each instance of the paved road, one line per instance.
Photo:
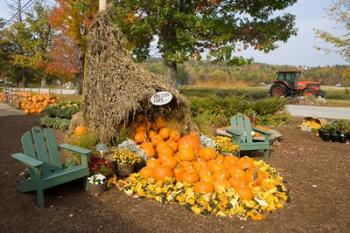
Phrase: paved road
(7, 110)
(319, 111)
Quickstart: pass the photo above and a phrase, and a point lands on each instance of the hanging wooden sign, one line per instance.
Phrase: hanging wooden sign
(161, 98)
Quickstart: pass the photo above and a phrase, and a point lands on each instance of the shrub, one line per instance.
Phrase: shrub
(87, 140)
(269, 105)
(273, 120)
(55, 122)
(65, 109)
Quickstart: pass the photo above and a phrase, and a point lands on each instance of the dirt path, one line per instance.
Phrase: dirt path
(319, 111)
(318, 175)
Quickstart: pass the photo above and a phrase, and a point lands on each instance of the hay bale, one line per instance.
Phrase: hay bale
(116, 88)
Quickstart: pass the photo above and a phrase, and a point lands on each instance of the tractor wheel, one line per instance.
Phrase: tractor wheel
(278, 89)
(309, 92)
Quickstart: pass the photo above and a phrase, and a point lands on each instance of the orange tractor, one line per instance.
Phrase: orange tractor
(287, 84)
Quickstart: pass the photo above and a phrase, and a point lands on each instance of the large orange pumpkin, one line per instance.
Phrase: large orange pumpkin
(161, 145)
(147, 172)
(190, 140)
(207, 153)
(199, 165)
(245, 163)
(161, 172)
(203, 187)
(214, 165)
(235, 183)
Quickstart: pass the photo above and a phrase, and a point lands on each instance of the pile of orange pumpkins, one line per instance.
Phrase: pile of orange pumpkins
(2, 96)
(35, 103)
(171, 154)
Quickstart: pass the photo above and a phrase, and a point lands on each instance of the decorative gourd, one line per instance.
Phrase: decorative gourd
(161, 172)
(164, 133)
(207, 153)
(79, 131)
(203, 187)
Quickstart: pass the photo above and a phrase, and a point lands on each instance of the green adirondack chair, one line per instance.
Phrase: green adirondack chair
(40, 156)
(241, 131)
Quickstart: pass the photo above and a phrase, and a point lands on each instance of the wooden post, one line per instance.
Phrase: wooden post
(103, 4)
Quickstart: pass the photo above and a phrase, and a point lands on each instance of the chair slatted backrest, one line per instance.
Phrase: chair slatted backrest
(241, 124)
(42, 146)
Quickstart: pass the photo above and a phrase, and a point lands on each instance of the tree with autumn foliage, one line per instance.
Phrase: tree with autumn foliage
(186, 29)
(73, 18)
(340, 12)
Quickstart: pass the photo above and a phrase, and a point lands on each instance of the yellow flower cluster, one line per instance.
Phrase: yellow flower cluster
(126, 156)
(312, 123)
(225, 144)
(268, 197)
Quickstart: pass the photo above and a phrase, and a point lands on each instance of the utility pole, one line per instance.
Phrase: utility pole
(17, 7)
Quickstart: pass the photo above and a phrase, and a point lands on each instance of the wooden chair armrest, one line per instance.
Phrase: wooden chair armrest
(74, 149)
(262, 131)
(27, 160)
(233, 131)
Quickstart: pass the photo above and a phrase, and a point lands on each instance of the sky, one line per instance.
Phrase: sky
(299, 50)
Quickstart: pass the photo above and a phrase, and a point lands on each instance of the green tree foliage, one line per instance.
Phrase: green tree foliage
(340, 12)
(185, 29)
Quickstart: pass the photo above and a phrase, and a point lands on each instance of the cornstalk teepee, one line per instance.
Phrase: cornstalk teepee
(116, 88)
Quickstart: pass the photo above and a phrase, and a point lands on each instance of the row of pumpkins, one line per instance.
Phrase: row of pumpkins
(181, 157)
(35, 103)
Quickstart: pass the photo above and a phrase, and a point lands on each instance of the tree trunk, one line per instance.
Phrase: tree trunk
(43, 81)
(171, 72)
(24, 78)
(79, 79)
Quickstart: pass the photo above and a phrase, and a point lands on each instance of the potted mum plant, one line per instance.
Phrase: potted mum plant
(125, 161)
(97, 184)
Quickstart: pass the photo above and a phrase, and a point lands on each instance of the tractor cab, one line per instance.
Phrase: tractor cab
(289, 77)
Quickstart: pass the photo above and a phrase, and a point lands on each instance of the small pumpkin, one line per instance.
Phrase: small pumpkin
(203, 187)
(186, 154)
(190, 177)
(156, 139)
(230, 161)
(147, 172)
(207, 153)
(245, 163)
(168, 161)
(140, 137)
(173, 145)
(78, 131)
(245, 192)
(164, 133)
(175, 135)
(162, 172)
